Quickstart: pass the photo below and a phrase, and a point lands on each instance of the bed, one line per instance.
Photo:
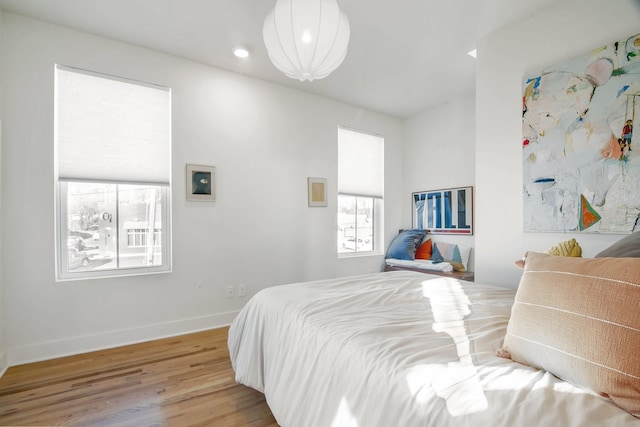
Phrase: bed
(403, 348)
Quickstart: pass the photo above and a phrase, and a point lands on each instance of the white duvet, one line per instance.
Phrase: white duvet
(398, 349)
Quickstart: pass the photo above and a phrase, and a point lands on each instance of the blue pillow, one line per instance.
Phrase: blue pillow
(404, 245)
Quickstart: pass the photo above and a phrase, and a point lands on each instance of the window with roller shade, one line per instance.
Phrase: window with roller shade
(360, 191)
(113, 173)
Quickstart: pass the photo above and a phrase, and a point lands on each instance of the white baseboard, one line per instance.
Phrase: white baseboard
(4, 363)
(84, 344)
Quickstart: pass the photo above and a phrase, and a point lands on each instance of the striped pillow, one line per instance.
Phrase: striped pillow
(579, 319)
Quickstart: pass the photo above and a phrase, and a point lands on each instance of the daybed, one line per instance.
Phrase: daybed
(411, 349)
(414, 250)
(423, 266)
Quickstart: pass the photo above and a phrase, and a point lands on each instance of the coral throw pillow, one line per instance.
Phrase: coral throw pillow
(424, 250)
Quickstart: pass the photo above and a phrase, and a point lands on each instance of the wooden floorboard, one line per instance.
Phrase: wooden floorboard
(179, 381)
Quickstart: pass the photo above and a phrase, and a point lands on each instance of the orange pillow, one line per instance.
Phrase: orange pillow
(424, 250)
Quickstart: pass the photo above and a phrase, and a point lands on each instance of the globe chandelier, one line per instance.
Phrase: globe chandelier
(306, 39)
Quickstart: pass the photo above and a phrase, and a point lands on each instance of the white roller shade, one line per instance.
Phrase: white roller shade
(360, 164)
(109, 129)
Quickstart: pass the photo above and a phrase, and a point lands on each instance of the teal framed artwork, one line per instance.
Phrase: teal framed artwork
(446, 211)
(201, 183)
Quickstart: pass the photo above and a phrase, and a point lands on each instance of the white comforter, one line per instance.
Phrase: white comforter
(398, 349)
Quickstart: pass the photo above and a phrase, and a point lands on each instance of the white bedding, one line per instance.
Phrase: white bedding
(422, 264)
(398, 349)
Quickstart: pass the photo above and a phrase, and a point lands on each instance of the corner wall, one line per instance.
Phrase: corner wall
(562, 31)
(264, 139)
(439, 152)
(4, 361)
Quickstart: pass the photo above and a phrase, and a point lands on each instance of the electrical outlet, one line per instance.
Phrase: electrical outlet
(230, 291)
(242, 290)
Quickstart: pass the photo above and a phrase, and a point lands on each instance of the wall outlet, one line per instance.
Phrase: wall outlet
(230, 291)
(242, 290)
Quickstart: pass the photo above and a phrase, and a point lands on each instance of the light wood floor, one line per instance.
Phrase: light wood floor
(181, 381)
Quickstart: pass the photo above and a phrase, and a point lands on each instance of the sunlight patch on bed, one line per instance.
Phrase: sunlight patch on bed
(344, 417)
(516, 377)
(456, 382)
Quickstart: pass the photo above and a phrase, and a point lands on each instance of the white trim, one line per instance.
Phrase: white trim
(117, 338)
(4, 363)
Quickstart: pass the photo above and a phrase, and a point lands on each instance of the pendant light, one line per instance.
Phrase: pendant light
(306, 39)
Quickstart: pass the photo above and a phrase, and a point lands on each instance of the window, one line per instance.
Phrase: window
(360, 190)
(113, 148)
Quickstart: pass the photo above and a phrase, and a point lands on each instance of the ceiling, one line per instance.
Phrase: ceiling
(404, 56)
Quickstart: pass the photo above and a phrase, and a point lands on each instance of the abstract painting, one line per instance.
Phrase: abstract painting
(581, 162)
(448, 211)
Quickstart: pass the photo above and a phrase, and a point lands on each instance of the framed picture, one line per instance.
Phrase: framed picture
(201, 183)
(447, 211)
(317, 191)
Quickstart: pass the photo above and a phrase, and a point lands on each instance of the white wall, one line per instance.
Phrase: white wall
(565, 30)
(3, 349)
(440, 153)
(264, 140)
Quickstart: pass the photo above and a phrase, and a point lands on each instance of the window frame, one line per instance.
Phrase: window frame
(61, 214)
(62, 231)
(377, 208)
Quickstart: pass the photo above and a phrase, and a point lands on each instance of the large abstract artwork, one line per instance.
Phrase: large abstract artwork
(581, 161)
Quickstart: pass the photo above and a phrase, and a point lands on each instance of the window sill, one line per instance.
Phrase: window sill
(107, 274)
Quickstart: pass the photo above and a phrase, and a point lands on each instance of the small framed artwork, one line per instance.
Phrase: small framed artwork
(317, 191)
(201, 183)
(446, 211)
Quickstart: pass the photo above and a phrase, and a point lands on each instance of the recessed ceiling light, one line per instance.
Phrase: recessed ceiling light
(473, 53)
(241, 53)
